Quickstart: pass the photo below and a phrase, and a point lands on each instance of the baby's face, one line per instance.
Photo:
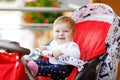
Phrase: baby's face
(62, 33)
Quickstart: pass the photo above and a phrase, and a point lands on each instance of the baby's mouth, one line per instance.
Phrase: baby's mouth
(61, 38)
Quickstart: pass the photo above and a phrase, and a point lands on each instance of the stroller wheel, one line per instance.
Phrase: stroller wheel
(91, 75)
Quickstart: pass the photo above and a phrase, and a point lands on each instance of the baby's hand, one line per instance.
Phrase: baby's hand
(41, 48)
(57, 53)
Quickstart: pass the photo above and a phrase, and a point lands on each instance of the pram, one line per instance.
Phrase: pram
(98, 36)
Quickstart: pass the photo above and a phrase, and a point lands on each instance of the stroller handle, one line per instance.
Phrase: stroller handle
(13, 46)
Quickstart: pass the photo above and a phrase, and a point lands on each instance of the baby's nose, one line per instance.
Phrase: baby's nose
(61, 33)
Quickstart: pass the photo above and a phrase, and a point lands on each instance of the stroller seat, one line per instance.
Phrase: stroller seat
(91, 35)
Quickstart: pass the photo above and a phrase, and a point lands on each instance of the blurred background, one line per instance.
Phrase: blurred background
(29, 22)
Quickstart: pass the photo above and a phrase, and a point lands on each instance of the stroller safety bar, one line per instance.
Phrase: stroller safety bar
(13, 46)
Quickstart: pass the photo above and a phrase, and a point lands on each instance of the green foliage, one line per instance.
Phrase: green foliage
(41, 17)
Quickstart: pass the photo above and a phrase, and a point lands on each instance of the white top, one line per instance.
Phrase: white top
(68, 49)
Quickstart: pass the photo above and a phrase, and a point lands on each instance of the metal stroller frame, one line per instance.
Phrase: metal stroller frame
(93, 68)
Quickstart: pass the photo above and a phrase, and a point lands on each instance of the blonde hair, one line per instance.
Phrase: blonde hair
(65, 20)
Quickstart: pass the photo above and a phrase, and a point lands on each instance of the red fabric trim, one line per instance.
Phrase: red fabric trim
(72, 75)
(45, 58)
(43, 78)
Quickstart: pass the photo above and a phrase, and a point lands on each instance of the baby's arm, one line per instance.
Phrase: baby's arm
(72, 61)
(41, 48)
(71, 56)
(45, 51)
(54, 54)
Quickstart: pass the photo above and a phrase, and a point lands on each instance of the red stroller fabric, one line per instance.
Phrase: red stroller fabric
(90, 36)
(11, 68)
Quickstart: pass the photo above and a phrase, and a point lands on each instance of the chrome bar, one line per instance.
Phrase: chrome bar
(36, 24)
(36, 9)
